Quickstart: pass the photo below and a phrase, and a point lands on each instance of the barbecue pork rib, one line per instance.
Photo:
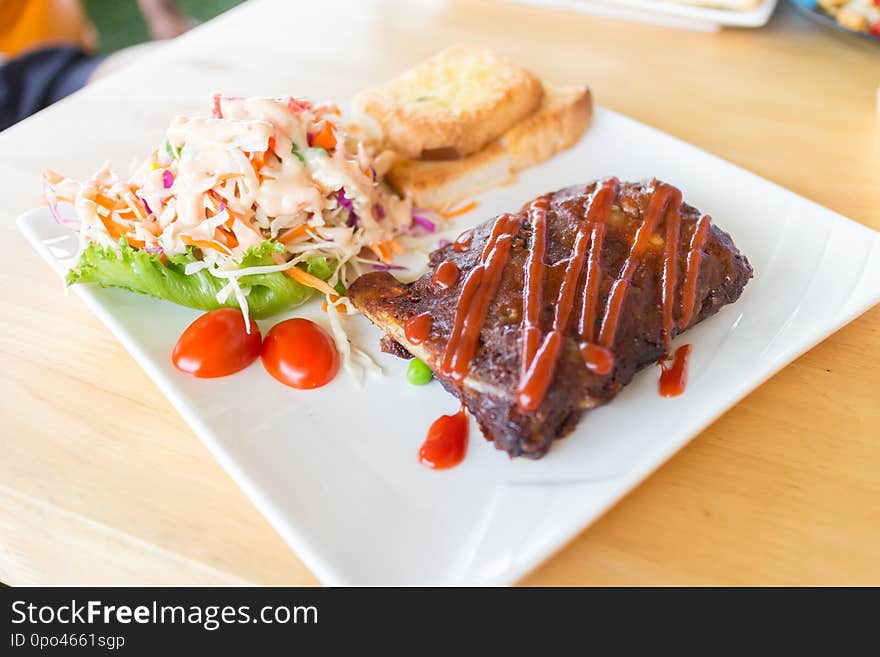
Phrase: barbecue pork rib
(637, 267)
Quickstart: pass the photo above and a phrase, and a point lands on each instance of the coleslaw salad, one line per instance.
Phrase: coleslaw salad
(256, 206)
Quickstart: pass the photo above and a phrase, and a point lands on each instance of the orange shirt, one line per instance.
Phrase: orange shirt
(30, 24)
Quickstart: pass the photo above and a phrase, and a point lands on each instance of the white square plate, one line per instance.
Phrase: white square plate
(335, 470)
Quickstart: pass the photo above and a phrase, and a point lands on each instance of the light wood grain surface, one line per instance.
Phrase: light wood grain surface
(102, 482)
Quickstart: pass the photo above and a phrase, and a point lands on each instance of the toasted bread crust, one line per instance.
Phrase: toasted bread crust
(563, 117)
(561, 120)
(441, 183)
(453, 104)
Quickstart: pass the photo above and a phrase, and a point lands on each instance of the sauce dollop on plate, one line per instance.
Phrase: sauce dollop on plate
(446, 443)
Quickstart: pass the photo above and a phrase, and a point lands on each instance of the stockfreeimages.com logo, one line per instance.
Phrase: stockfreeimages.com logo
(210, 617)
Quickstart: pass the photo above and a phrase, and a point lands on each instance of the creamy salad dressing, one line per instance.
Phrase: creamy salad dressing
(222, 185)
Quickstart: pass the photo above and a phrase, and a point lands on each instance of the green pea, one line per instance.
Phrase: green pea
(418, 373)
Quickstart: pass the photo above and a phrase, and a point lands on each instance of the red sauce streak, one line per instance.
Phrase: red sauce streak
(673, 378)
(533, 285)
(463, 241)
(540, 365)
(694, 258)
(477, 292)
(418, 328)
(599, 360)
(664, 196)
(670, 271)
(597, 215)
(446, 275)
(446, 443)
(533, 387)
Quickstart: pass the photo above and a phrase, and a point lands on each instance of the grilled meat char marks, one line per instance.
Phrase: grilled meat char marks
(490, 388)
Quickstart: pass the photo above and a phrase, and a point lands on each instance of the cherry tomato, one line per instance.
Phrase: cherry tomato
(301, 354)
(217, 344)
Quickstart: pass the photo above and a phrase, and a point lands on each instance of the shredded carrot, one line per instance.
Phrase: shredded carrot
(333, 299)
(464, 209)
(223, 177)
(395, 247)
(257, 160)
(294, 233)
(105, 202)
(225, 237)
(206, 244)
(382, 251)
(113, 229)
(304, 277)
(232, 217)
(324, 138)
(137, 244)
(52, 176)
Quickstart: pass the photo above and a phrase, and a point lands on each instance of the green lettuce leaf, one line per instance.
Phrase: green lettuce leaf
(319, 267)
(139, 271)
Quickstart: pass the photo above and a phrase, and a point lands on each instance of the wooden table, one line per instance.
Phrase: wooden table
(102, 482)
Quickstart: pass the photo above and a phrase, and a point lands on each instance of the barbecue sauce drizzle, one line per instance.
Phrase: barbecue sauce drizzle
(694, 258)
(540, 351)
(418, 328)
(477, 292)
(463, 241)
(445, 275)
(539, 366)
